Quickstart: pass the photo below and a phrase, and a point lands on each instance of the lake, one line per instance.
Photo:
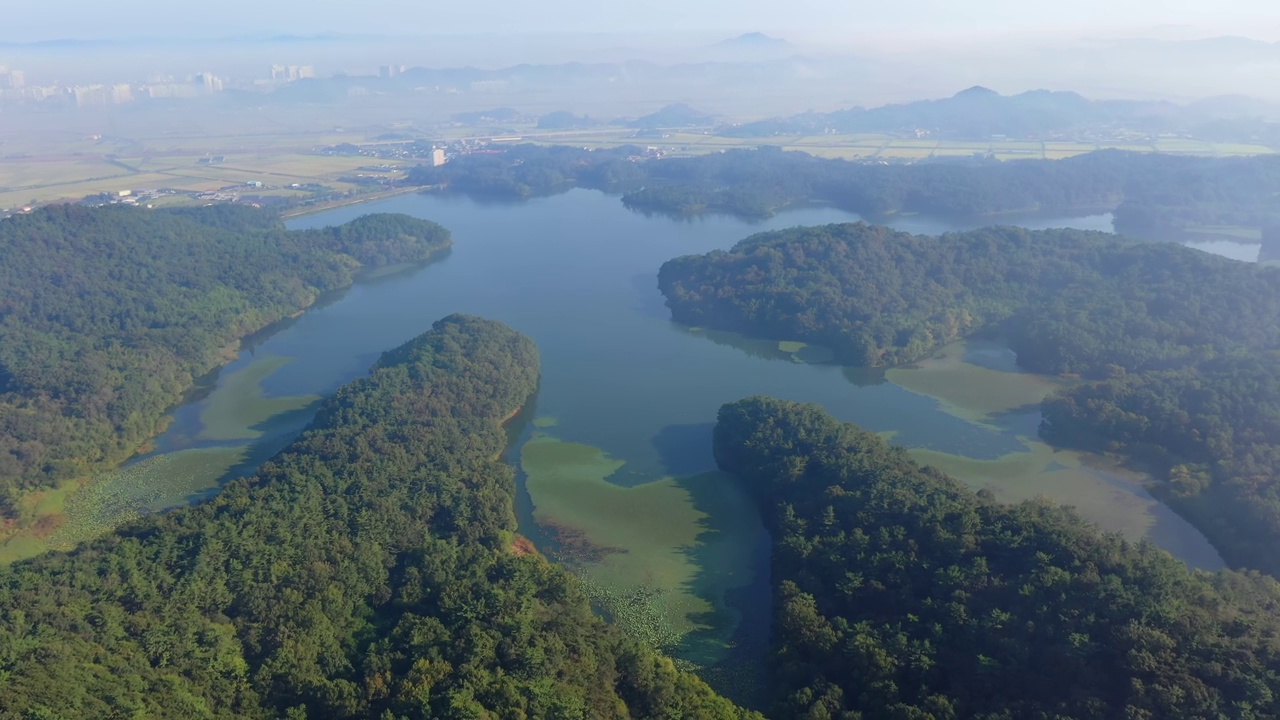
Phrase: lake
(616, 476)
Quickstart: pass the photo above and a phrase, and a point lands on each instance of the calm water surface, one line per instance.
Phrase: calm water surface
(1229, 248)
(617, 478)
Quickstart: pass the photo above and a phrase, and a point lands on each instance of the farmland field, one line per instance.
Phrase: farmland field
(69, 157)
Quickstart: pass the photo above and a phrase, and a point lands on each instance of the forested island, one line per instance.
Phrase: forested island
(108, 315)
(365, 571)
(900, 593)
(1151, 194)
(1176, 347)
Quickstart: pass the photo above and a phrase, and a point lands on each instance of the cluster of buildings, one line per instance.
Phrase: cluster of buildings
(204, 83)
(15, 90)
(291, 73)
(13, 83)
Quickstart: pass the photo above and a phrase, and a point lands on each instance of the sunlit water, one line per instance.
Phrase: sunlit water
(617, 478)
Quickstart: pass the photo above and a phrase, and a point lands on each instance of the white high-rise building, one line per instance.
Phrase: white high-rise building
(90, 95)
(208, 82)
(11, 79)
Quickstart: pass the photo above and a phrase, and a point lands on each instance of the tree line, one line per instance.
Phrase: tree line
(1151, 194)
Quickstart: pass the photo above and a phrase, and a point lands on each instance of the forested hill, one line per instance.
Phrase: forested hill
(365, 571)
(107, 315)
(1178, 345)
(1075, 301)
(1150, 193)
(901, 594)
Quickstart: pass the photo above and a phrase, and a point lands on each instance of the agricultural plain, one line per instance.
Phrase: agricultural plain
(69, 156)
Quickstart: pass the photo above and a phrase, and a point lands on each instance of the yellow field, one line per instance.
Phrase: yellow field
(54, 178)
(1242, 149)
(1181, 145)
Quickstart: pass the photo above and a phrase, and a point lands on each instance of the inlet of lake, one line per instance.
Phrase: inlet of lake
(615, 471)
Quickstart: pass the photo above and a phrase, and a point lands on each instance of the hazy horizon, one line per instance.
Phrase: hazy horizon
(836, 57)
(805, 21)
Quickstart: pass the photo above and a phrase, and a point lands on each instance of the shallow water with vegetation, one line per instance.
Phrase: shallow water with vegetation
(979, 381)
(617, 477)
(662, 556)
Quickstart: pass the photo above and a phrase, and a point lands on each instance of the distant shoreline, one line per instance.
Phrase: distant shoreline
(347, 202)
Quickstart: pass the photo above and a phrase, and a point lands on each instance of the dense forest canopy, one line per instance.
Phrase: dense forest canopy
(365, 571)
(107, 314)
(1073, 301)
(901, 594)
(1213, 432)
(1150, 193)
(1178, 346)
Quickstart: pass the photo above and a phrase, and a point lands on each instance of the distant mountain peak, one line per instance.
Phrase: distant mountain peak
(754, 40)
(978, 91)
(676, 115)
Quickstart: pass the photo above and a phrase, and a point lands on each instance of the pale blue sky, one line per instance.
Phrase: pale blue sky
(816, 19)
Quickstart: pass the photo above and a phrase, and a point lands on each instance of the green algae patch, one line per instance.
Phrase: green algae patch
(156, 483)
(785, 350)
(239, 411)
(54, 500)
(1109, 496)
(545, 421)
(980, 393)
(1101, 491)
(21, 547)
(659, 557)
(805, 353)
(992, 392)
(970, 391)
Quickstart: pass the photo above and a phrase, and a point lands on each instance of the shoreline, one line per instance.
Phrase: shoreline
(511, 416)
(347, 202)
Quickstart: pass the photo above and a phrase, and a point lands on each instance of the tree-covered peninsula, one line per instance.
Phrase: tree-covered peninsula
(899, 593)
(107, 315)
(1176, 347)
(365, 571)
